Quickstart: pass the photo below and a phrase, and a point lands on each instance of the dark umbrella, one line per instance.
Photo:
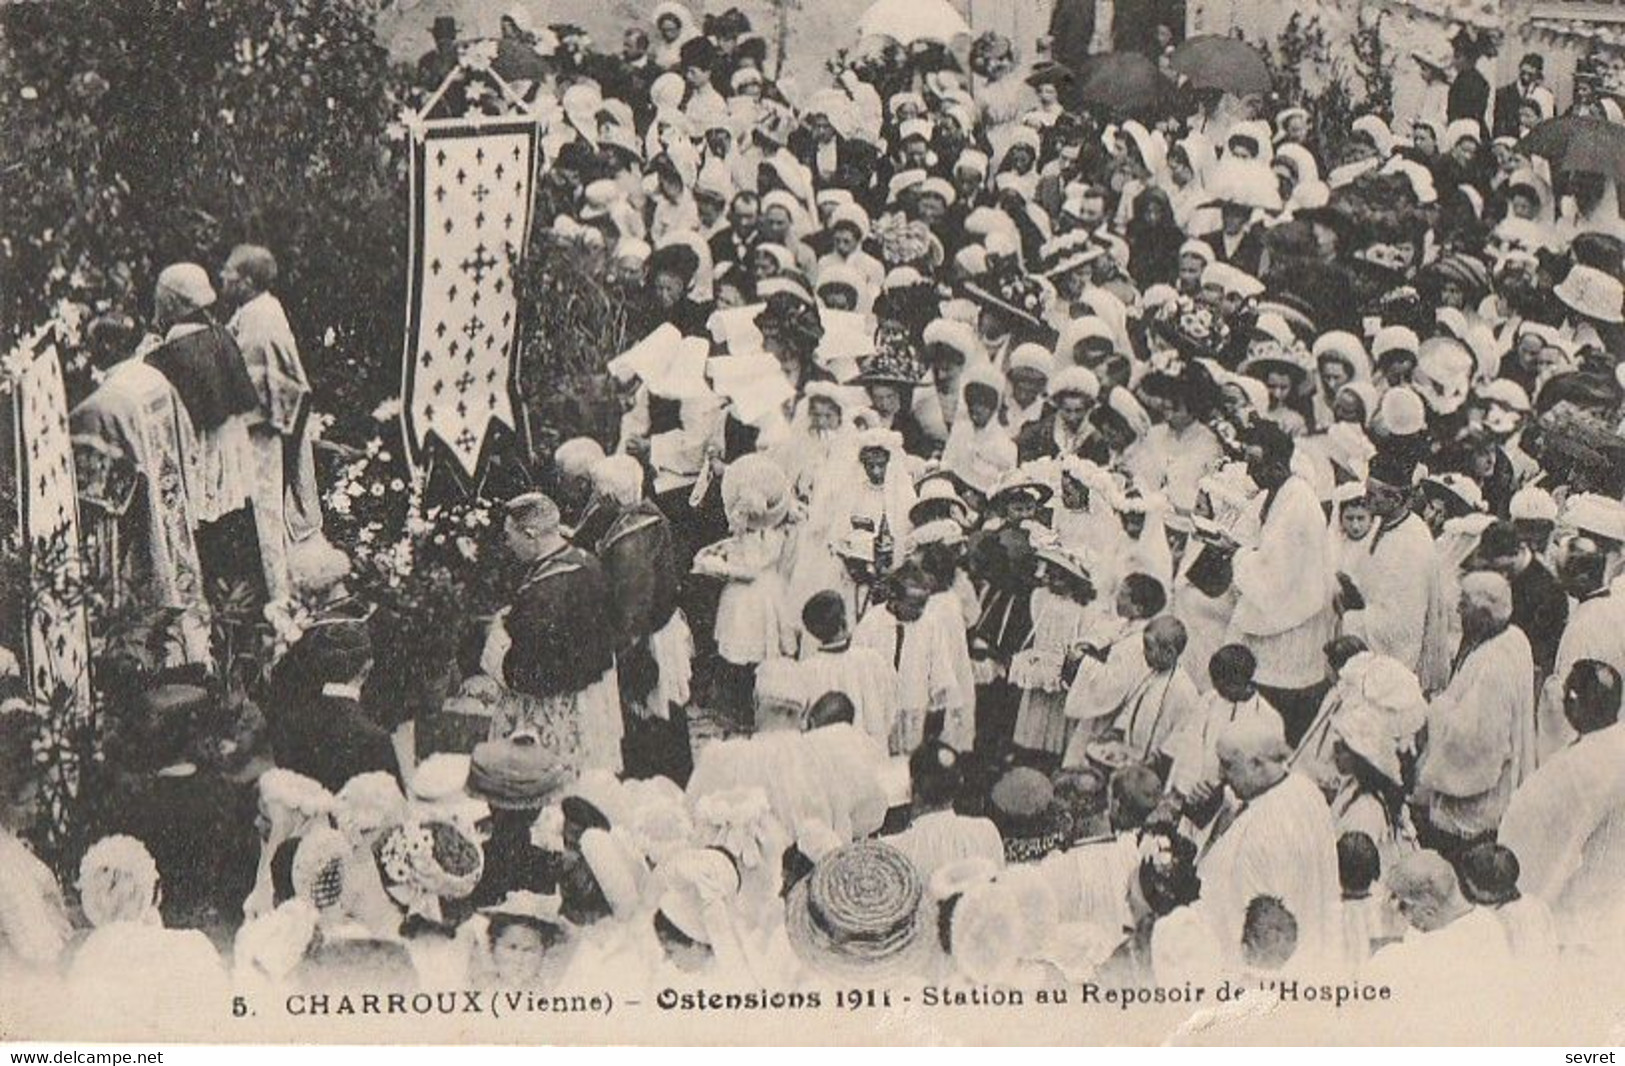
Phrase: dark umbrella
(1227, 64)
(1570, 143)
(1126, 83)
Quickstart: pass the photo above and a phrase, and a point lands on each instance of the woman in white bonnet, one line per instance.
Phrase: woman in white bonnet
(130, 965)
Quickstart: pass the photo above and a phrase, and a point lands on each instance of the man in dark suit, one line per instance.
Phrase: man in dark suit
(1528, 89)
(317, 724)
(735, 242)
(1238, 241)
(639, 555)
(1540, 607)
(1469, 91)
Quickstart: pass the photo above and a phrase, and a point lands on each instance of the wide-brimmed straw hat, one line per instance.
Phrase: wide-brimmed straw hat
(859, 915)
(1592, 293)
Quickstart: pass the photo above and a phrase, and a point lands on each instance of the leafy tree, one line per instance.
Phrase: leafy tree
(142, 132)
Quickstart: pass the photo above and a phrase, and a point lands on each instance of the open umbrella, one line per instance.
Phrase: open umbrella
(1125, 83)
(907, 21)
(1225, 63)
(1573, 142)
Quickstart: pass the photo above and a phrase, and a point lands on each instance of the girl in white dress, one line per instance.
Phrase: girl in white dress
(752, 624)
(1061, 619)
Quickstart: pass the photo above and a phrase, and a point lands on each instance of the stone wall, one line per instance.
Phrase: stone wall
(1409, 26)
(817, 28)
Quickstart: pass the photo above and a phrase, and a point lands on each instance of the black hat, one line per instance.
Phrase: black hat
(731, 23)
(1050, 73)
(678, 260)
(698, 52)
(445, 28)
(1393, 466)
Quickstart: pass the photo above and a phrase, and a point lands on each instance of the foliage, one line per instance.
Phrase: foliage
(425, 566)
(141, 133)
(1335, 84)
(573, 321)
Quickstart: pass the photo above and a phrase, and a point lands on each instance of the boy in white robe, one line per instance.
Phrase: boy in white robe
(1108, 675)
(1234, 698)
(1404, 612)
(937, 835)
(859, 673)
(926, 646)
(1489, 878)
(1481, 741)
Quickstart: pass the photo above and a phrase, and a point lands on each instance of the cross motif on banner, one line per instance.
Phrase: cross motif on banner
(479, 264)
(58, 636)
(469, 181)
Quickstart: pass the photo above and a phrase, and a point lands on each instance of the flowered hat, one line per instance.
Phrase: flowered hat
(904, 242)
(796, 320)
(755, 493)
(1024, 298)
(1195, 329)
(1459, 493)
(425, 862)
(896, 360)
(859, 915)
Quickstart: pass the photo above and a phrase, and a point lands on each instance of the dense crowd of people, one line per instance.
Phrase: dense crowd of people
(1094, 548)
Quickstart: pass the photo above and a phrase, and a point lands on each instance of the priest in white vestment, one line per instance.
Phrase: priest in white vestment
(1452, 946)
(1596, 626)
(1280, 842)
(1566, 824)
(1284, 612)
(286, 500)
(135, 424)
(1481, 728)
(1404, 614)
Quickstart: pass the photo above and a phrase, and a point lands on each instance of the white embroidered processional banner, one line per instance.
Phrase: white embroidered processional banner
(58, 645)
(471, 197)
